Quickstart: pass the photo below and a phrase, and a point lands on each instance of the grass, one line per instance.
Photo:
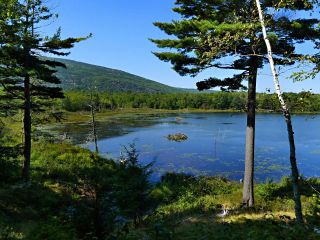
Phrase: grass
(191, 210)
(82, 116)
(242, 226)
(85, 116)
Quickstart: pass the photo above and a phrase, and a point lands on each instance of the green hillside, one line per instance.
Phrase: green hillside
(83, 76)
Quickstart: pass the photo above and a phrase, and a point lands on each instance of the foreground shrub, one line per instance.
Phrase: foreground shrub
(132, 186)
(51, 230)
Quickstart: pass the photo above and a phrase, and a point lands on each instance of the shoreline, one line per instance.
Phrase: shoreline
(81, 116)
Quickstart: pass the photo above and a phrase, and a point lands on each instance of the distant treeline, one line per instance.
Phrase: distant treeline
(80, 101)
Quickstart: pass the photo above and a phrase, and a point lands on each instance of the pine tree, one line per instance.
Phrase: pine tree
(7, 31)
(24, 74)
(212, 32)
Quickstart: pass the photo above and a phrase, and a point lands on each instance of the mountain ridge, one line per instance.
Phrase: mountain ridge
(84, 76)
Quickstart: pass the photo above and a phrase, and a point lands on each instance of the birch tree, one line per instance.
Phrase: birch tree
(287, 116)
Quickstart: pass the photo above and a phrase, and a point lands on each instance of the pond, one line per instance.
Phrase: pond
(215, 143)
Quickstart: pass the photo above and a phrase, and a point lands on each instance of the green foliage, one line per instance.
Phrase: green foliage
(77, 195)
(298, 102)
(132, 186)
(51, 230)
(9, 169)
(61, 162)
(87, 178)
(214, 186)
(282, 189)
(20, 63)
(28, 81)
(209, 33)
(190, 207)
(9, 152)
(8, 233)
(242, 230)
(171, 187)
(180, 195)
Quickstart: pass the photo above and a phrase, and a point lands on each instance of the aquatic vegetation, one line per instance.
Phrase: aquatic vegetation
(188, 155)
(179, 119)
(177, 137)
(211, 159)
(315, 151)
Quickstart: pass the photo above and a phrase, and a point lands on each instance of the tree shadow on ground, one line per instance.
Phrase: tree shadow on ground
(237, 225)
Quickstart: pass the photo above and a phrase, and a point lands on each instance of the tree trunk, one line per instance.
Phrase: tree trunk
(287, 116)
(94, 125)
(27, 131)
(97, 217)
(27, 105)
(94, 129)
(248, 196)
(294, 167)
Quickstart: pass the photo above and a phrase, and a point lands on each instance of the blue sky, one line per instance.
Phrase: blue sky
(121, 29)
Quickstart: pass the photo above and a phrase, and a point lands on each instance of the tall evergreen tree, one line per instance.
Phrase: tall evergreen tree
(7, 31)
(212, 32)
(24, 73)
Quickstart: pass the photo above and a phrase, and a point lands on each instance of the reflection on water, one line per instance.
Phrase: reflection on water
(215, 144)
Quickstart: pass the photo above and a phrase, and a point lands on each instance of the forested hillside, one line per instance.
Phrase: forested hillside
(298, 102)
(83, 76)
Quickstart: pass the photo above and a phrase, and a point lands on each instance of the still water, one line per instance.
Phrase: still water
(215, 145)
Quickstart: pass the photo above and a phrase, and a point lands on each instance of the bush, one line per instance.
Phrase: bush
(10, 171)
(9, 151)
(132, 186)
(171, 187)
(8, 233)
(61, 162)
(213, 186)
(51, 230)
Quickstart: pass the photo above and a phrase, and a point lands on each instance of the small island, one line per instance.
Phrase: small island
(177, 137)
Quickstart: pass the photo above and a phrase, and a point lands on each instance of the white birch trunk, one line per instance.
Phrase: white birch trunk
(287, 116)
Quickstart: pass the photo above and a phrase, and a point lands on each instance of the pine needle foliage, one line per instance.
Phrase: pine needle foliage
(213, 32)
(27, 79)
